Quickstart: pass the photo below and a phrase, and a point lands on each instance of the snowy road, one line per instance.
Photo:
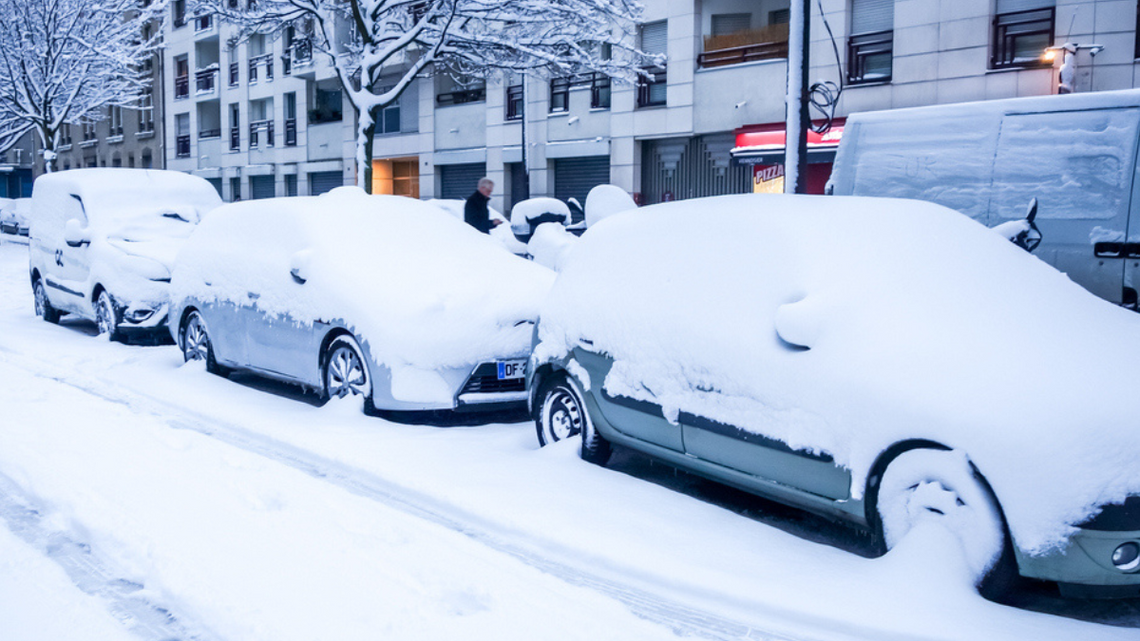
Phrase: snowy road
(196, 507)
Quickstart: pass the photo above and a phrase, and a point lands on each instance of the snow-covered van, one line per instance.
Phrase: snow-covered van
(103, 240)
(1076, 154)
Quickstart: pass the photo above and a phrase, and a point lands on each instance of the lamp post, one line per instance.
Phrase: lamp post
(1068, 71)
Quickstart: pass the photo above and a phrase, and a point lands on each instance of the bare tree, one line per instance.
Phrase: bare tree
(66, 61)
(366, 40)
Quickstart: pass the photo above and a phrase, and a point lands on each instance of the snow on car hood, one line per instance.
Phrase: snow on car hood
(844, 325)
(421, 288)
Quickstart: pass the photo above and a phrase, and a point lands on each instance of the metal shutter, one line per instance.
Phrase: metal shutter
(870, 16)
(322, 181)
(1010, 6)
(261, 187)
(460, 181)
(217, 183)
(655, 37)
(724, 24)
(575, 177)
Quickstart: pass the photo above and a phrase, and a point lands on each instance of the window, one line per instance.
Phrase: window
(515, 102)
(179, 9)
(65, 134)
(652, 91)
(116, 117)
(182, 135)
(147, 159)
(600, 91)
(326, 102)
(725, 24)
(88, 131)
(291, 121)
(870, 49)
(780, 16)
(459, 90)
(235, 127)
(146, 112)
(181, 78)
(560, 94)
(1022, 31)
(388, 119)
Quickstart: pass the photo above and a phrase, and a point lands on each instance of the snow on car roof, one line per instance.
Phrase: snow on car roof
(845, 325)
(129, 192)
(422, 288)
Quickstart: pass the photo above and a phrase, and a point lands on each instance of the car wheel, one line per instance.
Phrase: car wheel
(943, 487)
(43, 306)
(562, 412)
(106, 316)
(345, 372)
(196, 345)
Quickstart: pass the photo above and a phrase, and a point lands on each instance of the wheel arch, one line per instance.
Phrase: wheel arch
(540, 376)
(189, 309)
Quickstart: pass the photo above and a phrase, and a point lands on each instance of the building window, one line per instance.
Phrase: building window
(235, 70)
(65, 134)
(291, 121)
(116, 117)
(652, 91)
(147, 159)
(181, 77)
(600, 91)
(515, 102)
(88, 131)
(326, 103)
(146, 112)
(459, 90)
(388, 119)
(235, 127)
(1021, 37)
(560, 94)
(870, 49)
(179, 9)
(182, 135)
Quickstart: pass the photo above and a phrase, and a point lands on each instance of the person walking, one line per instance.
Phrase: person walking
(475, 212)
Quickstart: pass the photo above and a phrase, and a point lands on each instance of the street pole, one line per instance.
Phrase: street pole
(797, 118)
(525, 152)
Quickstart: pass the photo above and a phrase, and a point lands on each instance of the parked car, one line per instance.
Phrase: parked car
(10, 223)
(1076, 154)
(501, 232)
(885, 362)
(102, 242)
(382, 297)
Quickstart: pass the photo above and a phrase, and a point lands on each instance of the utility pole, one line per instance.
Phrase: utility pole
(525, 151)
(797, 118)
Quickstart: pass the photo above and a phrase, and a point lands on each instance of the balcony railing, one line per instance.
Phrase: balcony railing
(182, 146)
(235, 138)
(204, 79)
(203, 23)
(181, 87)
(767, 43)
(291, 132)
(302, 52)
(462, 96)
(207, 134)
(254, 133)
(257, 61)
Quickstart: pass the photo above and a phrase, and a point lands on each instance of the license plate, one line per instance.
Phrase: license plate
(511, 369)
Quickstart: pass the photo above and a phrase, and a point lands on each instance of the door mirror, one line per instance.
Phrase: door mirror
(299, 266)
(75, 235)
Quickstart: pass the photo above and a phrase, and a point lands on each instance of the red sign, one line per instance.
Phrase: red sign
(771, 136)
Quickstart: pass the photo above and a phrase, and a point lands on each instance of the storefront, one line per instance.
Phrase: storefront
(762, 148)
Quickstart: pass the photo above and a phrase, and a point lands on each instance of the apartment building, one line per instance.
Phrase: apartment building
(266, 118)
(17, 167)
(123, 137)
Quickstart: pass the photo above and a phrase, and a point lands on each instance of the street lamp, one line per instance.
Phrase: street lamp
(1068, 71)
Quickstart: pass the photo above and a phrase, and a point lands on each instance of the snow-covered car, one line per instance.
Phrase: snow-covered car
(890, 363)
(102, 242)
(10, 219)
(526, 216)
(384, 297)
(501, 232)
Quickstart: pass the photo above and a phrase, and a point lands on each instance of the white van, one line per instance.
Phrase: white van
(1076, 154)
(103, 241)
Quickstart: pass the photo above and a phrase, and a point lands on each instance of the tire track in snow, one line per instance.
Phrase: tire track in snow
(127, 600)
(684, 620)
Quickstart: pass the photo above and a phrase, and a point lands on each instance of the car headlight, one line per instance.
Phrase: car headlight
(139, 315)
(1126, 557)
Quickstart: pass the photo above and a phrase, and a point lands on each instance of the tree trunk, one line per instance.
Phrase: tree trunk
(365, 137)
(47, 139)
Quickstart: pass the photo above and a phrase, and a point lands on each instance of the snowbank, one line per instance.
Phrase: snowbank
(523, 214)
(606, 200)
(550, 244)
(844, 325)
(423, 289)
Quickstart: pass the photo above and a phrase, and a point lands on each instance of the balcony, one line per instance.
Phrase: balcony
(767, 43)
(462, 96)
(206, 80)
(203, 23)
(265, 60)
(207, 134)
(181, 87)
(255, 131)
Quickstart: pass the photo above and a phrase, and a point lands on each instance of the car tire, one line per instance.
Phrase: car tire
(43, 306)
(943, 486)
(196, 345)
(107, 316)
(561, 412)
(344, 372)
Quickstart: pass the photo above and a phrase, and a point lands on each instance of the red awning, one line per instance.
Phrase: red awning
(758, 139)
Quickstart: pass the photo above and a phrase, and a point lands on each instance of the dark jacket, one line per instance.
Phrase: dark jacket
(476, 214)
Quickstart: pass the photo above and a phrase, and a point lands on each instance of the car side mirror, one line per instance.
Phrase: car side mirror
(299, 266)
(75, 235)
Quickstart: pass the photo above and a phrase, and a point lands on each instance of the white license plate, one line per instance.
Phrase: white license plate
(511, 369)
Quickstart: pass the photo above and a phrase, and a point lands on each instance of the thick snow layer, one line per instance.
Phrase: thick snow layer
(606, 200)
(422, 289)
(844, 325)
(501, 233)
(524, 212)
(550, 244)
(192, 518)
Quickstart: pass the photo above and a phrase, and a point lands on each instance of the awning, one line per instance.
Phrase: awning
(764, 144)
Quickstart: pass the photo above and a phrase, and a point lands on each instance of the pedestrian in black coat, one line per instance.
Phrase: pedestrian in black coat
(475, 212)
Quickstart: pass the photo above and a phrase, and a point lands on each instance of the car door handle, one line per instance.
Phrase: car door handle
(1109, 250)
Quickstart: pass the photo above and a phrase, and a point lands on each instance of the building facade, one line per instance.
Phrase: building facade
(267, 119)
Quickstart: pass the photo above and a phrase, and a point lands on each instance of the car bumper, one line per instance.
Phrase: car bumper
(484, 391)
(1084, 568)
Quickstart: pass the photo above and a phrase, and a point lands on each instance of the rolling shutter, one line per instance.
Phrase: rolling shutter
(724, 24)
(655, 37)
(871, 16)
(460, 181)
(261, 187)
(1012, 6)
(324, 181)
(575, 177)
